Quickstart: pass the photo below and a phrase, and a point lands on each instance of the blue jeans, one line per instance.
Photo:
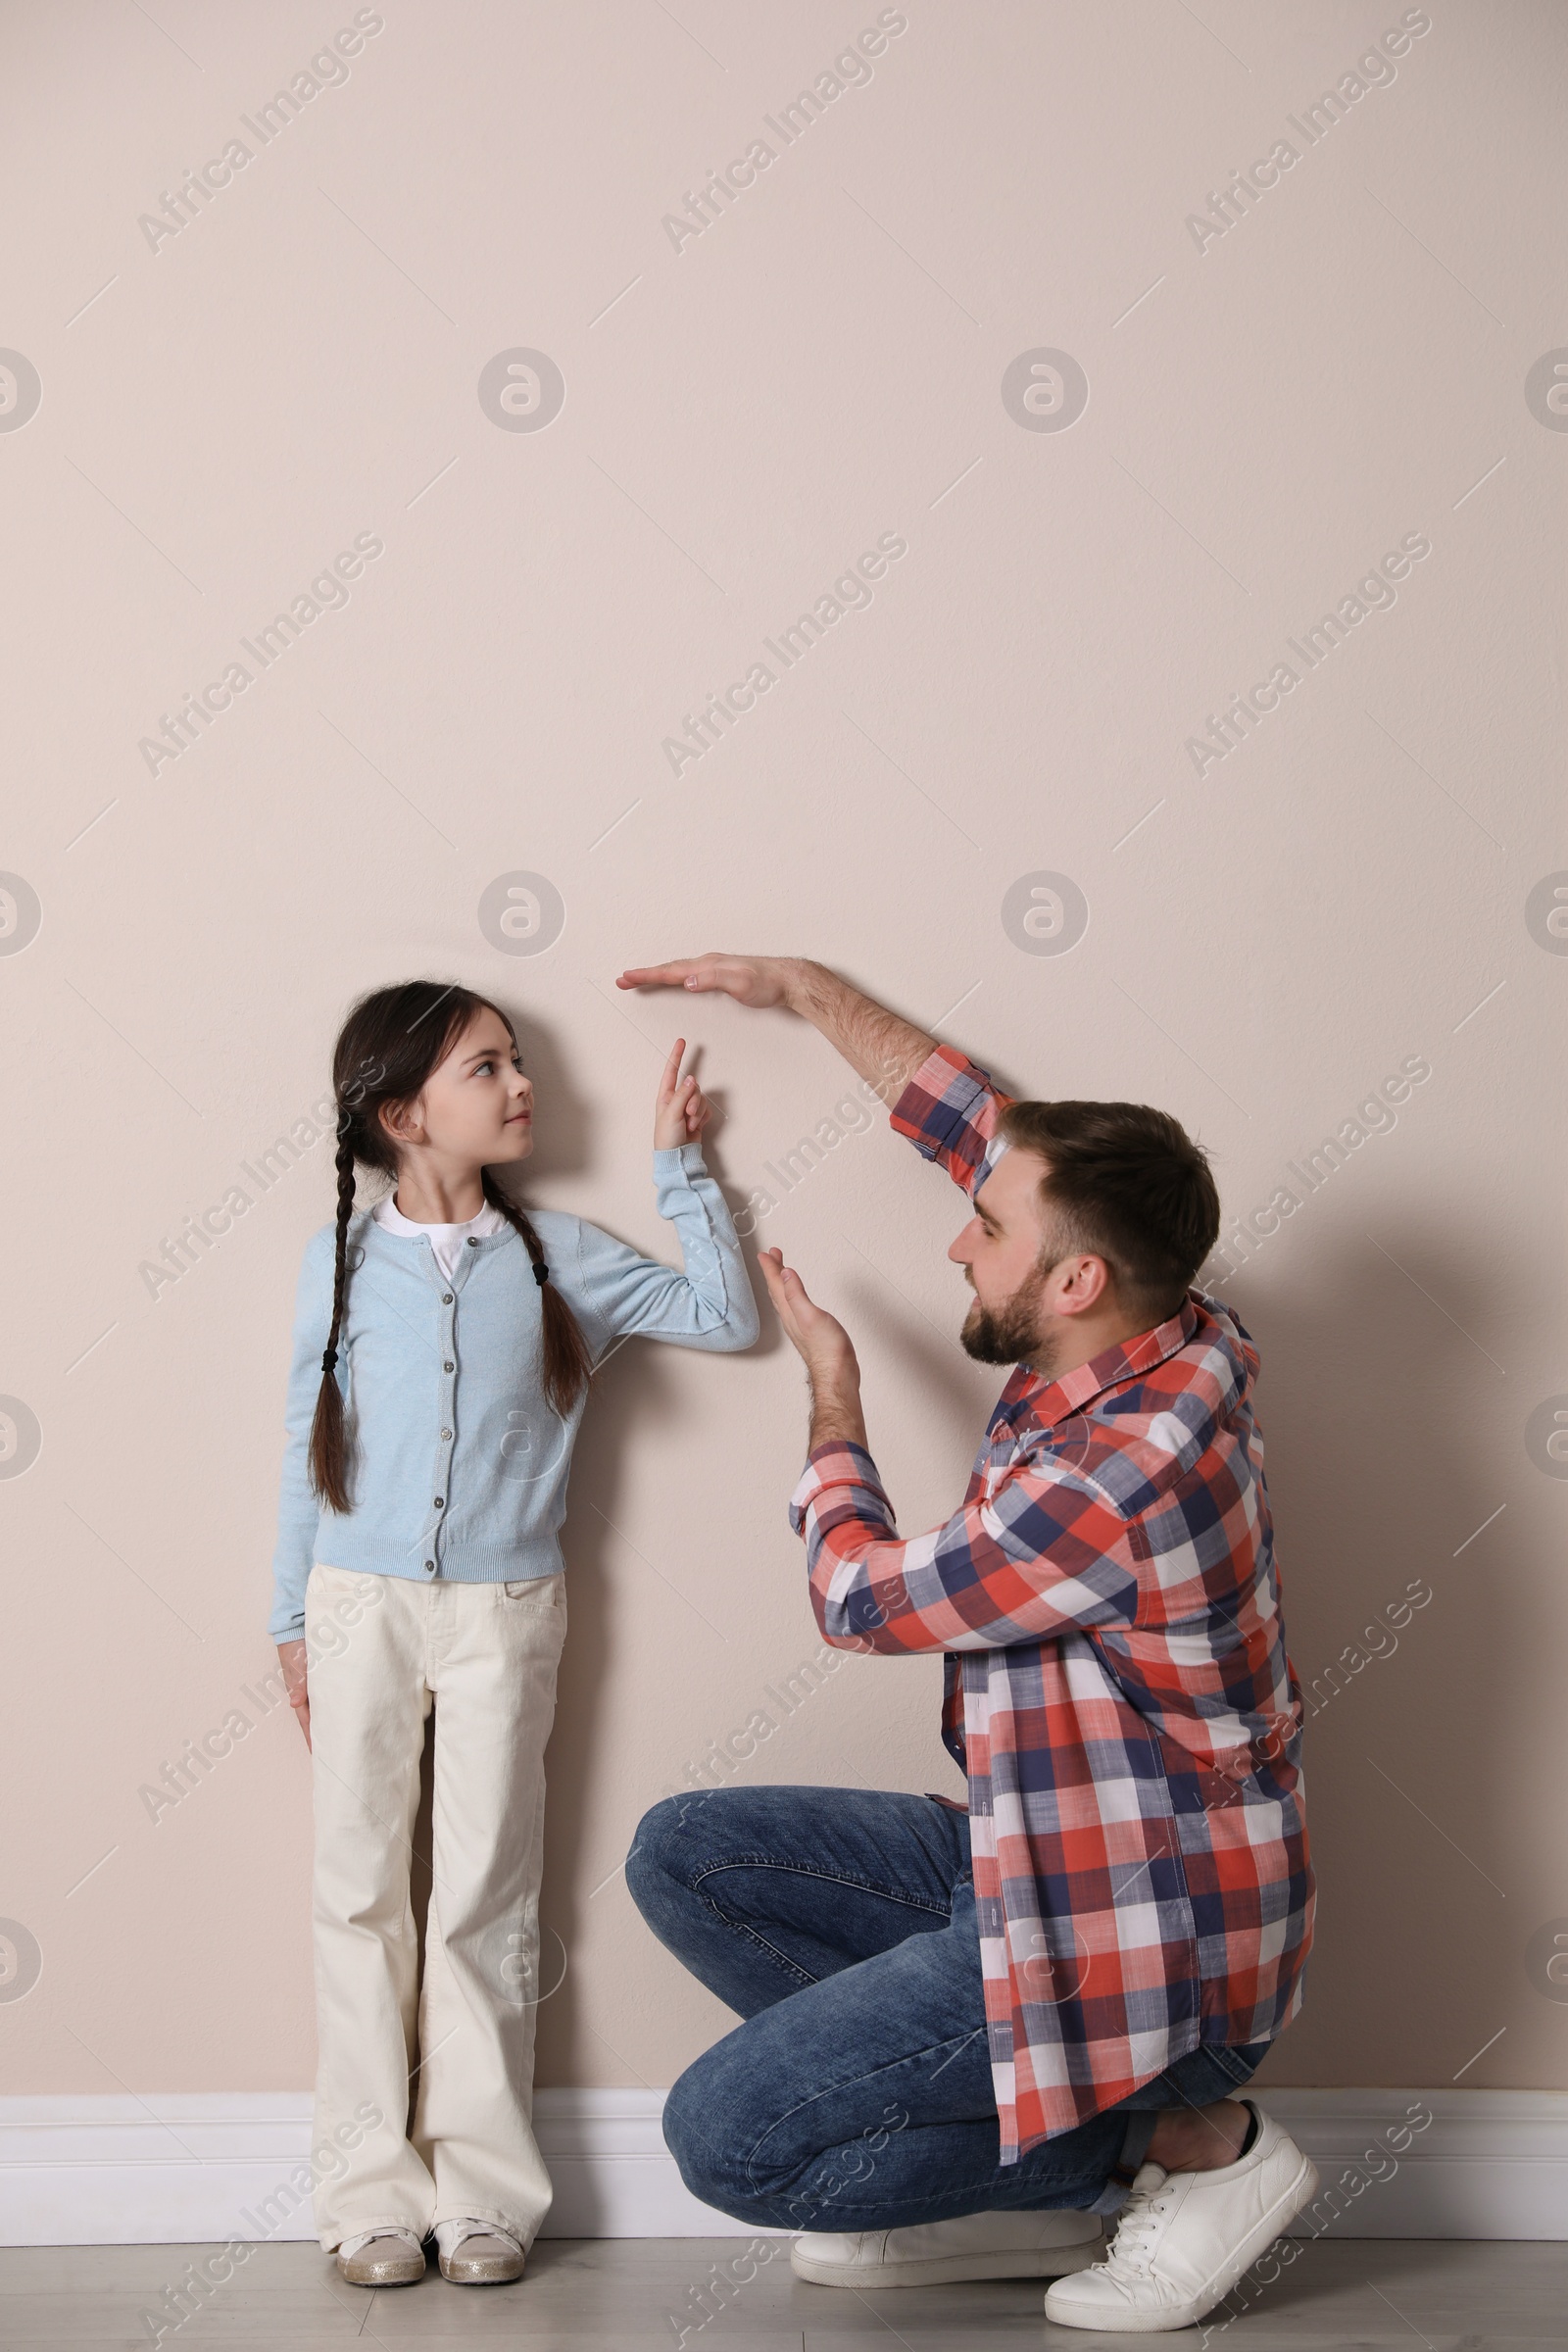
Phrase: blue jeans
(841, 1924)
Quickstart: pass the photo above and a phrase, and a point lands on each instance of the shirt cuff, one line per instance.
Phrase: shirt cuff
(933, 1078)
(940, 1105)
(838, 1463)
(683, 1160)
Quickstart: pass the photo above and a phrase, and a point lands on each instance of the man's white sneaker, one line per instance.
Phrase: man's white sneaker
(1183, 2239)
(980, 2245)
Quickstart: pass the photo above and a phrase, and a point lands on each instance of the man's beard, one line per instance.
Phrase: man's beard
(1014, 1333)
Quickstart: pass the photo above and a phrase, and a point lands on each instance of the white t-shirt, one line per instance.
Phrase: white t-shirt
(445, 1240)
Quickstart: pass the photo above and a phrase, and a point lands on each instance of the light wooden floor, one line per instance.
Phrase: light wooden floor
(619, 2294)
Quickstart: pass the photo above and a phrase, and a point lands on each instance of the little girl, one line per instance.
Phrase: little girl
(443, 1346)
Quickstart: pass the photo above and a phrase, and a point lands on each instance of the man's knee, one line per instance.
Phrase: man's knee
(686, 2110)
(709, 2135)
(647, 1862)
(675, 1841)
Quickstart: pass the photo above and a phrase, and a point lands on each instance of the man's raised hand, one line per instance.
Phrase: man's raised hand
(756, 980)
(883, 1048)
(824, 1348)
(818, 1337)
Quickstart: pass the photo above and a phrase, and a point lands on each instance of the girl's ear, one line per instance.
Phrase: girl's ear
(399, 1120)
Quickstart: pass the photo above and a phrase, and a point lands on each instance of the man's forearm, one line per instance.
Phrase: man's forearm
(875, 1041)
(836, 1415)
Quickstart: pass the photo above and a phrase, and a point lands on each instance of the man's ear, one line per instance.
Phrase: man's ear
(1085, 1282)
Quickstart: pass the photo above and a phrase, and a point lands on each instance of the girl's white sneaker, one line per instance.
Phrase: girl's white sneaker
(386, 2258)
(980, 2245)
(1183, 2239)
(477, 2253)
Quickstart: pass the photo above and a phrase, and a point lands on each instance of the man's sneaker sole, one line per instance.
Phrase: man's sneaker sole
(951, 2270)
(1216, 2286)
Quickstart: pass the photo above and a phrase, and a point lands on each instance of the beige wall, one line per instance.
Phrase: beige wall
(1270, 411)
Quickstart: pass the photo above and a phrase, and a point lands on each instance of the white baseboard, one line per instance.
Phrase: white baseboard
(196, 2168)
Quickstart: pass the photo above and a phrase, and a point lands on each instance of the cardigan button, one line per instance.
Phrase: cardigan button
(473, 1240)
(446, 1434)
(446, 1367)
(429, 1567)
(438, 1501)
(446, 1297)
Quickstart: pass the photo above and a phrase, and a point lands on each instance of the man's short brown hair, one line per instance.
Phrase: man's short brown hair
(1126, 1183)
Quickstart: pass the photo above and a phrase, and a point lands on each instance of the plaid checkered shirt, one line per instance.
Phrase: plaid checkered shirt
(1117, 1689)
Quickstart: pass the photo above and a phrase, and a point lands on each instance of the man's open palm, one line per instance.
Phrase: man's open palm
(819, 1338)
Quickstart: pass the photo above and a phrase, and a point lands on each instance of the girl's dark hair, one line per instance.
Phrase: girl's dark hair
(387, 1048)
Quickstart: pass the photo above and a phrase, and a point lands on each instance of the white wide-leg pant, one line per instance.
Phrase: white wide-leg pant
(380, 1648)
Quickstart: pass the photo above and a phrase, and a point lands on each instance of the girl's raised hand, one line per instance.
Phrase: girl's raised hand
(682, 1109)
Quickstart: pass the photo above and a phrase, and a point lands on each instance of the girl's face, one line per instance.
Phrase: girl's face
(476, 1107)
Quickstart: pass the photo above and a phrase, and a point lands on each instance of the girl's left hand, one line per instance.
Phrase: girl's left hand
(682, 1109)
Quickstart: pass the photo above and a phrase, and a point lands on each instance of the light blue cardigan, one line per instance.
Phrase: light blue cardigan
(459, 1466)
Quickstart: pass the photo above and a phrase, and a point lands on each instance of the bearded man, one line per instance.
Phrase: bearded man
(977, 2038)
